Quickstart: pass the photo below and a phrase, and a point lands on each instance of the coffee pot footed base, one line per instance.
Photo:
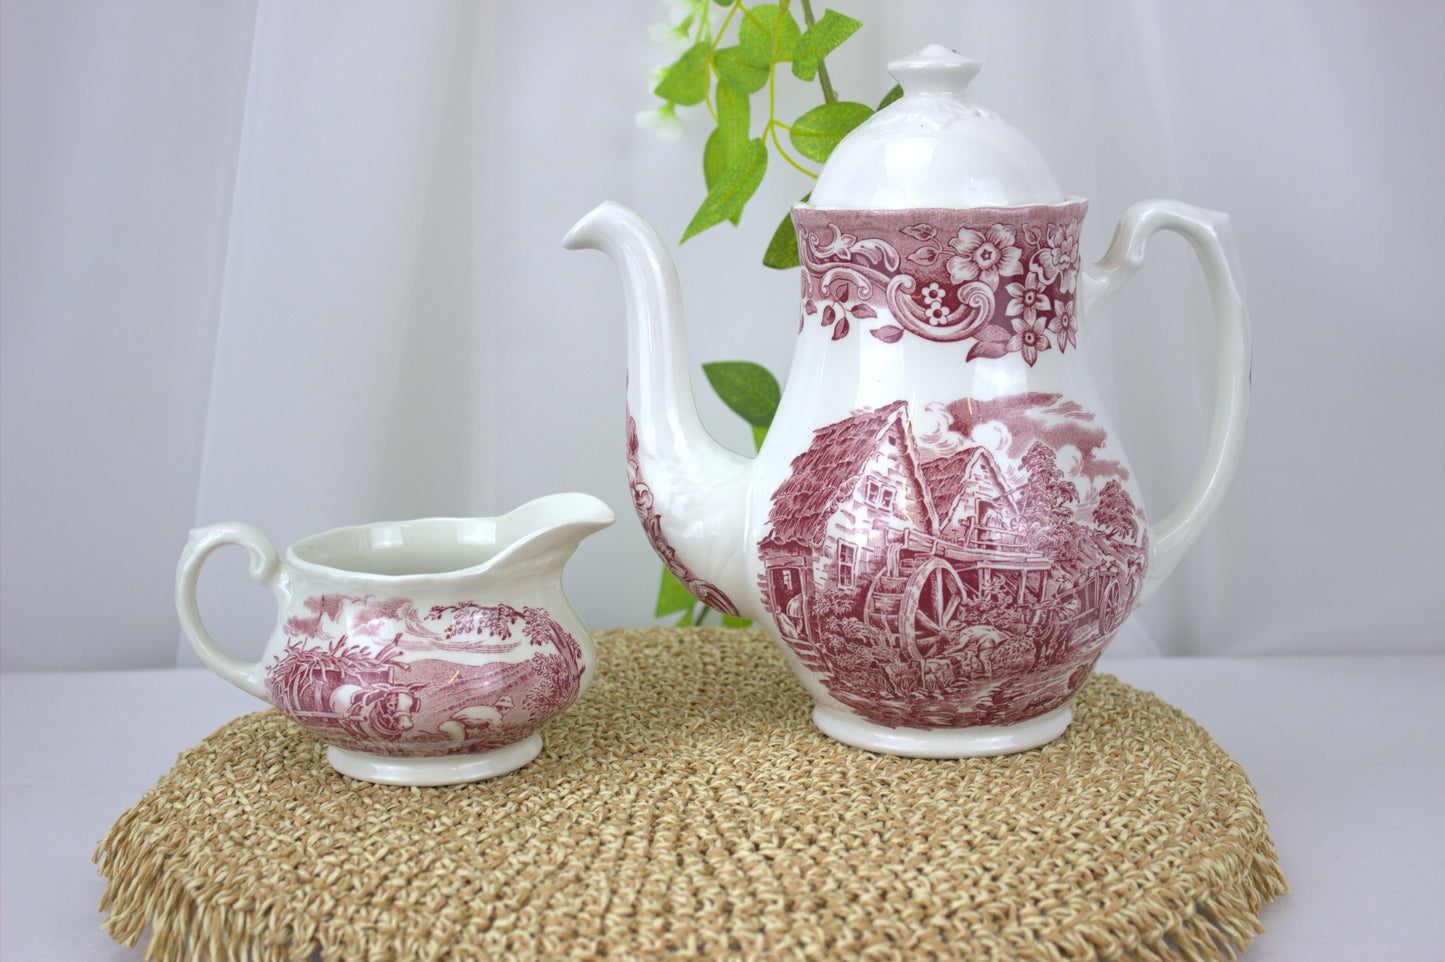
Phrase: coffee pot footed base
(973, 742)
(443, 770)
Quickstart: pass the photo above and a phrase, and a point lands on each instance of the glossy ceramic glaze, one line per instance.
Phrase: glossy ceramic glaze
(940, 530)
(422, 652)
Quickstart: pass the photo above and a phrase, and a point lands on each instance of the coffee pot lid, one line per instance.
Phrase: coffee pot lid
(934, 147)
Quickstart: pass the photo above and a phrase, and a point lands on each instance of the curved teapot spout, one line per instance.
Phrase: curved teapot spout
(690, 492)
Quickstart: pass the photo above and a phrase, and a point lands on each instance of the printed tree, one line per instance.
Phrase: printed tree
(471, 618)
(1047, 495)
(1115, 512)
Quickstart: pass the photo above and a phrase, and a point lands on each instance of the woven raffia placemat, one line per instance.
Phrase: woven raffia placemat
(687, 808)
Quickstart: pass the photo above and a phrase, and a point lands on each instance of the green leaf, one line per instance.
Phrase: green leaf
(715, 157)
(672, 596)
(733, 115)
(768, 34)
(733, 621)
(891, 96)
(748, 389)
(819, 40)
(758, 435)
(736, 72)
(817, 132)
(685, 82)
(727, 141)
(782, 251)
(726, 198)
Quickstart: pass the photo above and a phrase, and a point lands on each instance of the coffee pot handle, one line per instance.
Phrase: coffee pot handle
(1208, 232)
(265, 569)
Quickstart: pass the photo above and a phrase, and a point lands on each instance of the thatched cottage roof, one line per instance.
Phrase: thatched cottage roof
(947, 477)
(828, 471)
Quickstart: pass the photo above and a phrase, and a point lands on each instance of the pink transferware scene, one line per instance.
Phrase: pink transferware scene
(939, 530)
(426, 652)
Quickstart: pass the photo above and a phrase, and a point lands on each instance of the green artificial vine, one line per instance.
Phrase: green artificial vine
(732, 68)
(735, 79)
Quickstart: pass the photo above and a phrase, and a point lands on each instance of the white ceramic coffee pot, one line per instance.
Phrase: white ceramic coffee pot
(940, 529)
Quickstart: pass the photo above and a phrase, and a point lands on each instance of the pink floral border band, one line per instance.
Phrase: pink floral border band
(1004, 279)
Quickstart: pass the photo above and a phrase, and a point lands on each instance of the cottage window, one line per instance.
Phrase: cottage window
(877, 493)
(847, 564)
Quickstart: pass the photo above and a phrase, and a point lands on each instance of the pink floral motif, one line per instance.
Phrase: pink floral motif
(1058, 258)
(933, 309)
(1029, 338)
(1002, 279)
(1029, 299)
(1064, 324)
(984, 255)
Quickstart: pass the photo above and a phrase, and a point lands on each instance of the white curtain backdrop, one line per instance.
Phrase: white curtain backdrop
(299, 264)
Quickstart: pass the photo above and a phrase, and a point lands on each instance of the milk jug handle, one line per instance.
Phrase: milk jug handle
(265, 569)
(1208, 232)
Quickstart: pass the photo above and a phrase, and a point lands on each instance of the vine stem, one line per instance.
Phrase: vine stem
(713, 39)
(773, 124)
(773, 129)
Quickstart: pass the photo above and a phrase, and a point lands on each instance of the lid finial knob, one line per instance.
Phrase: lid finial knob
(934, 70)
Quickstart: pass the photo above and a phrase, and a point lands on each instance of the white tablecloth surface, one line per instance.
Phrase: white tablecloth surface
(1347, 754)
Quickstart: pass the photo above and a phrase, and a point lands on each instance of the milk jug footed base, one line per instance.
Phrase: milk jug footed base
(974, 742)
(442, 770)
